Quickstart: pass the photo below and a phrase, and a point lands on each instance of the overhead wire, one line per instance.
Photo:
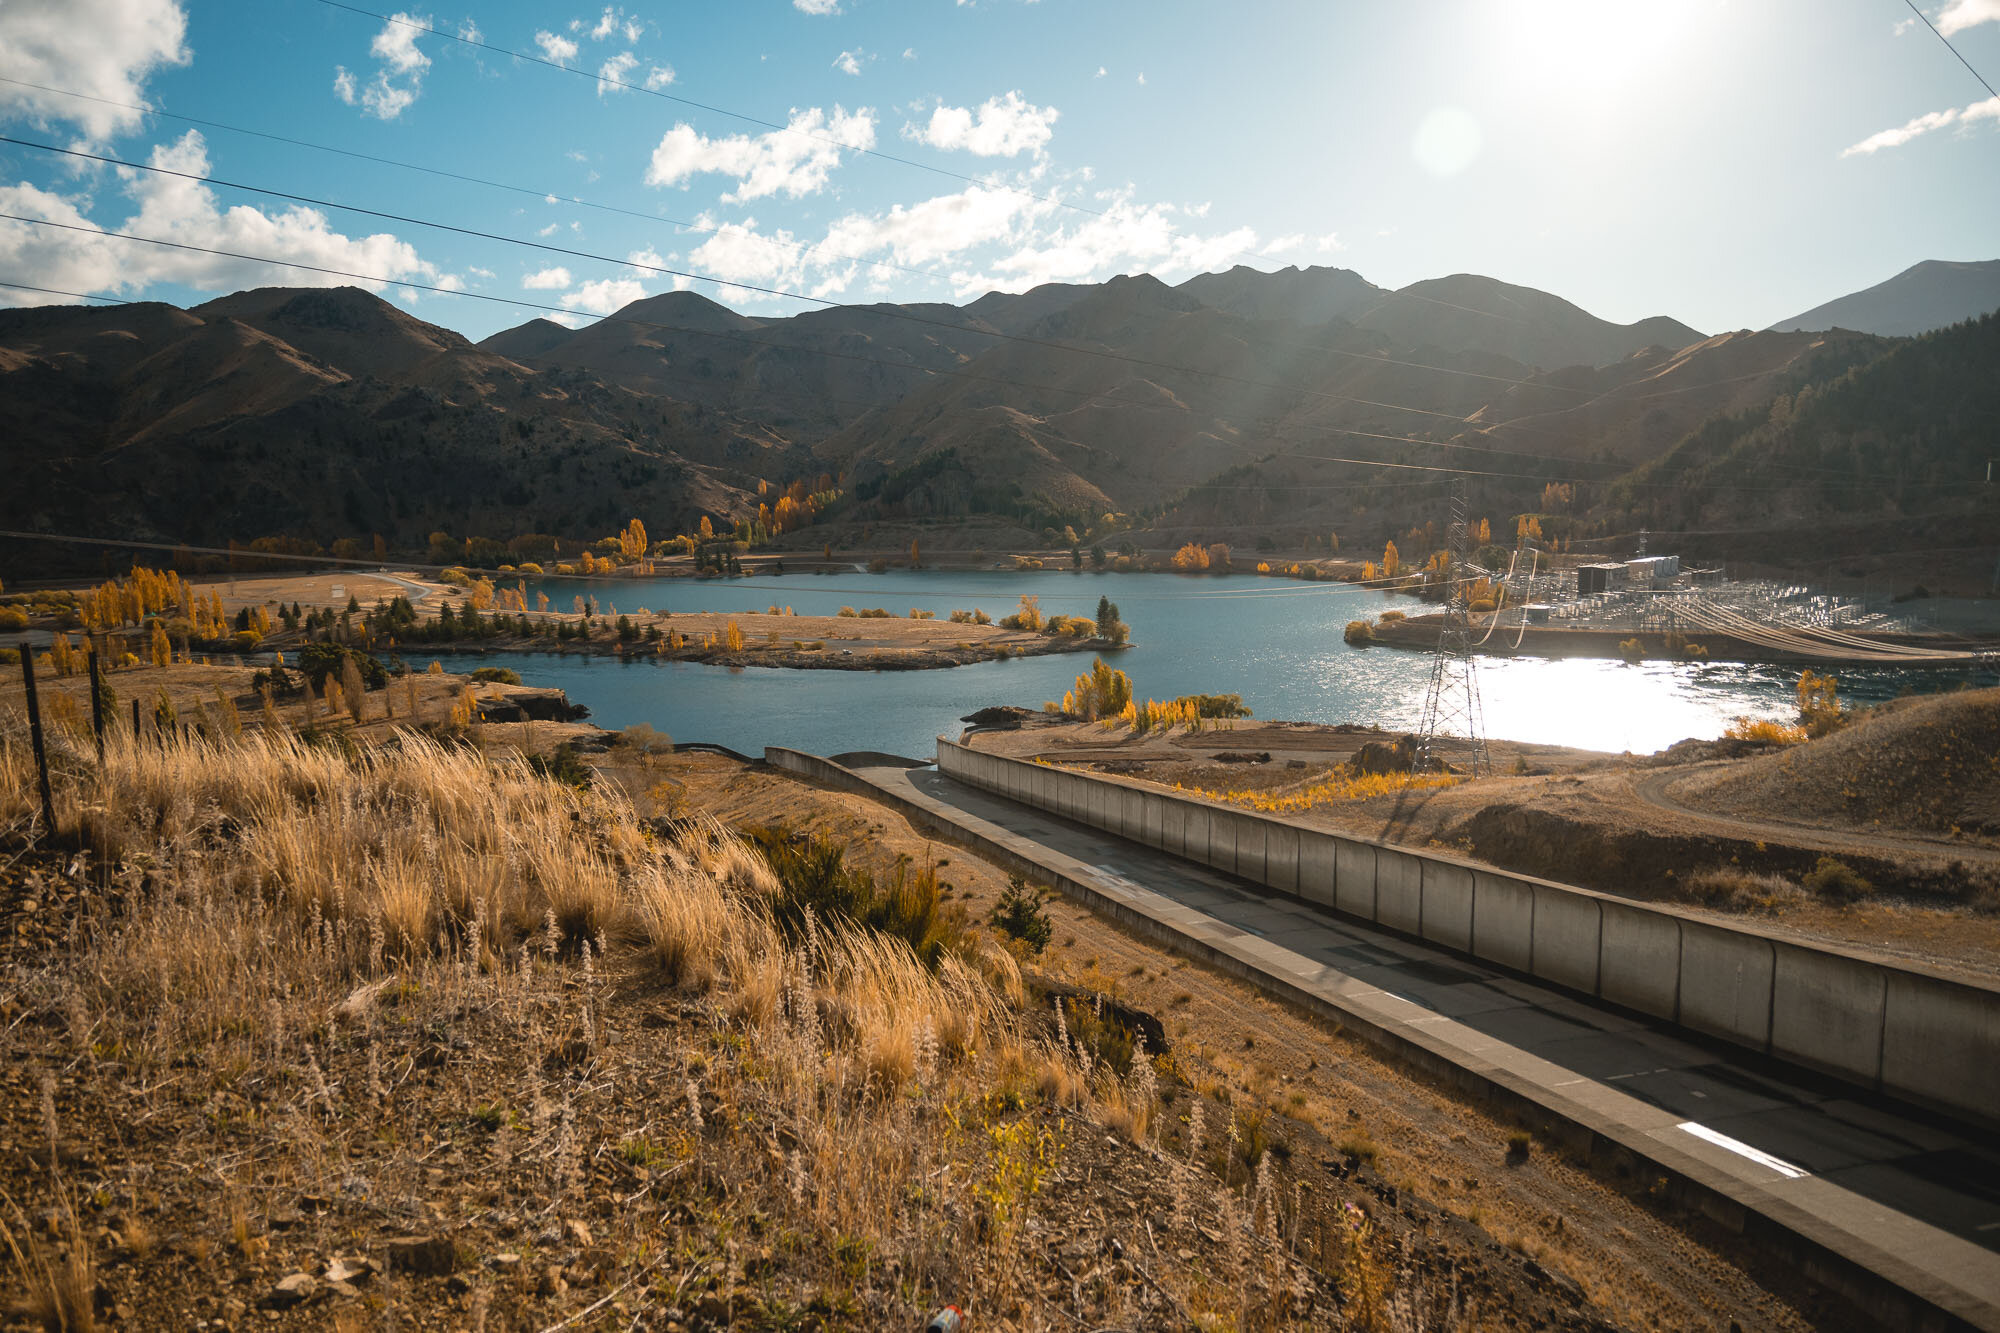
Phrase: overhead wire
(960, 373)
(886, 311)
(462, 177)
(602, 79)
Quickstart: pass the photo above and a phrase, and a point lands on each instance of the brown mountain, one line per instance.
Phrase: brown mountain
(1291, 399)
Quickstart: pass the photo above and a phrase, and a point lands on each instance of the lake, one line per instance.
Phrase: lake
(1276, 642)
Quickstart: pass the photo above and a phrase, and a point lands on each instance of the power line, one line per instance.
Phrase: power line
(460, 176)
(805, 250)
(851, 356)
(1949, 47)
(601, 78)
(890, 312)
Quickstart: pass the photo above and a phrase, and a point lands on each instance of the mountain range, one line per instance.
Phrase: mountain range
(1921, 298)
(1298, 400)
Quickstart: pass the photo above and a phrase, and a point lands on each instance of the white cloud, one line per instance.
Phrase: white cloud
(616, 72)
(1962, 14)
(605, 296)
(399, 79)
(736, 251)
(483, 274)
(816, 6)
(1284, 244)
(1924, 124)
(469, 31)
(104, 48)
(934, 229)
(555, 47)
(909, 53)
(1328, 243)
(659, 76)
(1142, 80)
(795, 160)
(547, 280)
(849, 62)
(606, 25)
(1004, 126)
(1101, 72)
(185, 211)
(550, 230)
(1125, 238)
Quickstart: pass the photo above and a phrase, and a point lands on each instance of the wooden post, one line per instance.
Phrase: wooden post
(135, 724)
(35, 735)
(97, 704)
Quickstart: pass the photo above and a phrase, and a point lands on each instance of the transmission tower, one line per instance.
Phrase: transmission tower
(1452, 705)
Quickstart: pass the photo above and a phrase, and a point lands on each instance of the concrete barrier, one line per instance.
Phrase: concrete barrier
(1318, 858)
(1938, 1041)
(1354, 878)
(1930, 1038)
(1503, 920)
(1725, 983)
(1567, 937)
(1639, 958)
(1399, 890)
(1827, 1011)
(1447, 904)
(1281, 858)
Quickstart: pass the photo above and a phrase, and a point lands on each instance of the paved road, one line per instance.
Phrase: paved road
(1918, 1191)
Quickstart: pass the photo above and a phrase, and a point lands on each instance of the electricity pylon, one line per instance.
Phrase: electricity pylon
(1452, 703)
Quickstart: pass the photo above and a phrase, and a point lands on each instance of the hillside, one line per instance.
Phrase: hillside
(1904, 436)
(1921, 298)
(1928, 765)
(1241, 402)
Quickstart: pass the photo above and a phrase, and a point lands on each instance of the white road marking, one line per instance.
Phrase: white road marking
(1742, 1149)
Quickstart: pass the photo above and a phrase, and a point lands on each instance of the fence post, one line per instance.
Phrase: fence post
(135, 724)
(35, 735)
(97, 705)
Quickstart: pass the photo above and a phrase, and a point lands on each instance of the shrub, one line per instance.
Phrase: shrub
(1819, 704)
(497, 675)
(13, 618)
(1765, 730)
(1836, 881)
(642, 737)
(1359, 633)
(1020, 913)
(1632, 650)
(1391, 616)
(814, 880)
(320, 660)
(917, 614)
(457, 578)
(564, 766)
(874, 613)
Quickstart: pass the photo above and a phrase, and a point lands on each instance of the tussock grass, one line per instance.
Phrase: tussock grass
(291, 935)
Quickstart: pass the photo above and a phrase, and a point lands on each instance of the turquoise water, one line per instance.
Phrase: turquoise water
(1275, 642)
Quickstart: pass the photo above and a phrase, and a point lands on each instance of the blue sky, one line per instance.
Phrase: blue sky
(1724, 163)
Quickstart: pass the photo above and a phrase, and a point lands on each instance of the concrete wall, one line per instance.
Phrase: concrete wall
(1932, 1039)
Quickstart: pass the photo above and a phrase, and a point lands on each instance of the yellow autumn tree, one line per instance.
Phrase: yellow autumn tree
(1392, 561)
(732, 637)
(1191, 559)
(632, 542)
(161, 650)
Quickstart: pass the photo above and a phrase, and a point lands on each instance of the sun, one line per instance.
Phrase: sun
(1592, 49)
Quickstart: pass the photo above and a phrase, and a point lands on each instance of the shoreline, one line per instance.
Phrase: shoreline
(1420, 633)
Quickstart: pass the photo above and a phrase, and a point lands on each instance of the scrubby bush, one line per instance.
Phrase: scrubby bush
(1632, 650)
(497, 675)
(1359, 633)
(1021, 914)
(1765, 730)
(1837, 882)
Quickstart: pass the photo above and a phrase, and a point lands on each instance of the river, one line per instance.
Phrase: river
(1276, 642)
